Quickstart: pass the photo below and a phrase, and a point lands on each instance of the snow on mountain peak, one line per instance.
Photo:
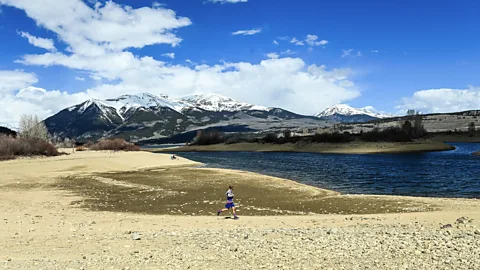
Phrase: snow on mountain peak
(126, 102)
(344, 109)
(217, 103)
(209, 102)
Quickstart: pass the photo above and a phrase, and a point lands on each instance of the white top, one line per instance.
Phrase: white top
(229, 195)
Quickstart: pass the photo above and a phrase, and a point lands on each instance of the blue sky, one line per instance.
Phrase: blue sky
(402, 54)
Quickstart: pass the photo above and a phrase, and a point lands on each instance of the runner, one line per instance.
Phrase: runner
(229, 203)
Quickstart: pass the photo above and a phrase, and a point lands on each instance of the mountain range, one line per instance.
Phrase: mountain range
(147, 117)
(346, 114)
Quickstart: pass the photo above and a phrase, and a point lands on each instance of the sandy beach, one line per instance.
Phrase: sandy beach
(84, 210)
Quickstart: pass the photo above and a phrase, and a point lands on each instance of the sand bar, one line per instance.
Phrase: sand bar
(326, 148)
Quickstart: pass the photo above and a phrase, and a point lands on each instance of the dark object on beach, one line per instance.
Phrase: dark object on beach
(462, 220)
(446, 226)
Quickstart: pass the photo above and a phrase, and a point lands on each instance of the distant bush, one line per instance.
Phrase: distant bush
(81, 148)
(391, 134)
(208, 137)
(115, 145)
(275, 139)
(236, 138)
(11, 147)
(89, 144)
(270, 138)
(471, 128)
(335, 137)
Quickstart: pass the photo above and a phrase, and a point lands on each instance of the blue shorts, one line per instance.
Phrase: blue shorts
(229, 205)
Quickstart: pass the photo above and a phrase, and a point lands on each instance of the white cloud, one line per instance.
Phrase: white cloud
(11, 80)
(191, 62)
(248, 32)
(442, 100)
(296, 42)
(297, 87)
(14, 103)
(312, 41)
(374, 51)
(351, 53)
(347, 53)
(169, 55)
(275, 42)
(288, 52)
(43, 43)
(321, 42)
(273, 55)
(283, 38)
(33, 100)
(79, 78)
(108, 28)
(157, 4)
(105, 58)
(228, 1)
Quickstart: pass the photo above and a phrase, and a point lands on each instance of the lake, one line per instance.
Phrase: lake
(437, 174)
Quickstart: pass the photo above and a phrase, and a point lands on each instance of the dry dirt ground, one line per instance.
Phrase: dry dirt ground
(105, 210)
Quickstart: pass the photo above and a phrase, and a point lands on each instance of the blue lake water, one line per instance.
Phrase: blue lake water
(438, 174)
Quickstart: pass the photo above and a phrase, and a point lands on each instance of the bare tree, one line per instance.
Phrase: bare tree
(418, 129)
(31, 127)
(471, 128)
(408, 128)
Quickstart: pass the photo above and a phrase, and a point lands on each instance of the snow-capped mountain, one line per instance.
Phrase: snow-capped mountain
(127, 103)
(219, 103)
(346, 113)
(147, 116)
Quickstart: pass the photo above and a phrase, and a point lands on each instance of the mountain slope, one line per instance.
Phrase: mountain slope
(91, 118)
(346, 113)
(7, 131)
(146, 117)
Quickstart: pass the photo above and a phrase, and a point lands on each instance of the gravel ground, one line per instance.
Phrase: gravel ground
(355, 243)
(45, 228)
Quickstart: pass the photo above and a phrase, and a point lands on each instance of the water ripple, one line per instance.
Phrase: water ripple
(439, 174)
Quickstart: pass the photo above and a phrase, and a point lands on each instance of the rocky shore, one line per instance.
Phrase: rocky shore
(66, 241)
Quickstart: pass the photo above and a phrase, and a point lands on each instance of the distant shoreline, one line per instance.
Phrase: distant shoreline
(324, 148)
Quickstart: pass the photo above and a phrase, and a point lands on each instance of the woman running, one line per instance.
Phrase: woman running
(229, 203)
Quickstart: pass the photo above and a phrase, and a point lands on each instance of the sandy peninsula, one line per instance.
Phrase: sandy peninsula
(139, 210)
(325, 148)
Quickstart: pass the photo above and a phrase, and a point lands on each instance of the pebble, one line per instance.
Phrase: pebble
(136, 236)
